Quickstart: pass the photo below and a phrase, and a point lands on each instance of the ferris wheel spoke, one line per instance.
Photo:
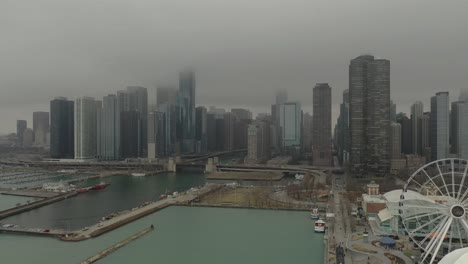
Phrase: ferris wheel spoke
(435, 185)
(434, 238)
(426, 224)
(462, 181)
(429, 234)
(441, 239)
(453, 177)
(443, 180)
(423, 215)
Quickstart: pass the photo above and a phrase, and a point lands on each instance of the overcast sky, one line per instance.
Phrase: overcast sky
(242, 50)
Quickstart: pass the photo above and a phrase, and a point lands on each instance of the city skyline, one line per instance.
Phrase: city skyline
(229, 63)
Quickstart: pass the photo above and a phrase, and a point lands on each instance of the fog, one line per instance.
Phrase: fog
(242, 50)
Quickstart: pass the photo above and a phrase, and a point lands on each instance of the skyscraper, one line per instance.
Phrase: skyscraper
(187, 110)
(460, 138)
(211, 131)
(396, 141)
(110, 128)
(417, 110)
(166, 98)
(21, 125)
(85, 128)
(392, 111)
(343, 133)
(426, 135)
(41, 128)
(307, 132)
(228, 129)
(201, 130)
(406, 133)
(62, 129)
(322, 125)
(258, 146)
(463, 95)
(156, 135)
(290, 124)
(440, 126)
(369, 81)
(138, 102)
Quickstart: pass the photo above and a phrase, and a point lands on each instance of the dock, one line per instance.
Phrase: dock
(115, 247)
(34, 205)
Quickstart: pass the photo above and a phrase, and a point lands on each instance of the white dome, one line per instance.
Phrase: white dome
(459, 256)
(394, 196)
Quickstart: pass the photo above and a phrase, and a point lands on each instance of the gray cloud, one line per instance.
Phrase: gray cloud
(242, 50)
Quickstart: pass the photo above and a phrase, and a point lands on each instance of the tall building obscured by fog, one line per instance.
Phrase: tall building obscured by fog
(281, 97)
(201, 139)
(440, 126)
(459, 129)
(342, 132)
(109, 129)
(186, 115)
(369, 89)
(290, 124)
(322, 133)
(62, 129)
(166, 98)
(41, 128)
(21, 126)
(28, 136)
(417, 110)
(463, 95)
(426, 135)
(156, 135)
(85, 128)
(307, 132)
(138, 102)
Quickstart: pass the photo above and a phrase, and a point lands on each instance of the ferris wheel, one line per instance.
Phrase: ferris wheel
(433, 208)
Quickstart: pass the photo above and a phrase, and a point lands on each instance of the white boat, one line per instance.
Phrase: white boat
(319, 226)
(138, 174)
(314, 214)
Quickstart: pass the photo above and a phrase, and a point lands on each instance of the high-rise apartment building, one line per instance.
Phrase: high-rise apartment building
(426, 135)
(440, 126)
(85, 128)
(166, 98)
(41, 128)
(62, 129)
(369, 81)
(186, 116)
(21, 125)
(228, 129)
(417, 110)
(322, 133)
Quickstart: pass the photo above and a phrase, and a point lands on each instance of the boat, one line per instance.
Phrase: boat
(83, 190)
(138, 174)
(319, 226)
(100, 186)
(314, 214)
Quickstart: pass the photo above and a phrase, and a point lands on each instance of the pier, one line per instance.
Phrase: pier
(115, 247)
(34, 205)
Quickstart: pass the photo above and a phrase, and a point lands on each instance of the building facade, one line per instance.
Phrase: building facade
(201, 138)
(138, 102)
(21, 126)
(62, 129)
(396, 141)
(461, 135)
(440, 126)
(186, 115)
(41, 128)
(85, 128)
(417, 110)
(109, 129)
(322, 133)
(156, 135)
(369, 81)
(290, 124)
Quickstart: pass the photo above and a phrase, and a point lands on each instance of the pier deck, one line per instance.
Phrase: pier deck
(115, 247)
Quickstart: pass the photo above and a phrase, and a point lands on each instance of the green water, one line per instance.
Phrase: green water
(10, 201)
(187, 235)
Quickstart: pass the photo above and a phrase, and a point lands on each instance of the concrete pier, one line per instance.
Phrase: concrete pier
(115, 247)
